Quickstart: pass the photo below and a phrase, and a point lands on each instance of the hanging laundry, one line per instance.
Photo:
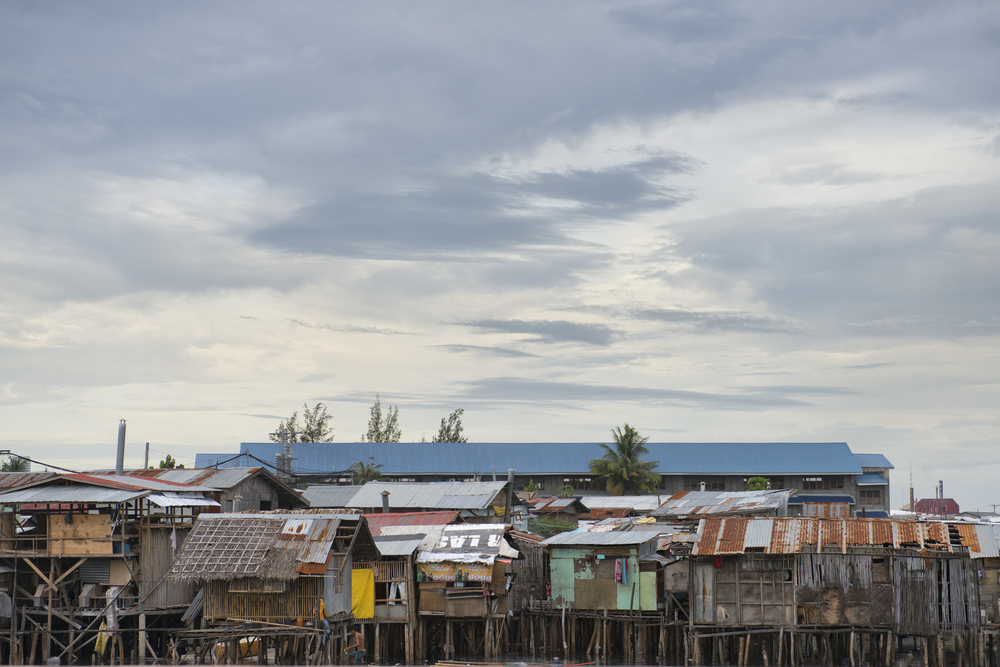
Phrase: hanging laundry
(621, 567)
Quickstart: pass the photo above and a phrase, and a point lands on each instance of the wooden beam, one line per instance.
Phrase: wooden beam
(65, 618)
(40, 573)
(70, 571)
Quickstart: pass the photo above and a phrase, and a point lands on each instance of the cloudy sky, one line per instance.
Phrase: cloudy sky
(759, 221)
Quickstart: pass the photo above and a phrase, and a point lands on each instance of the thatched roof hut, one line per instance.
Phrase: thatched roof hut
(261, 566)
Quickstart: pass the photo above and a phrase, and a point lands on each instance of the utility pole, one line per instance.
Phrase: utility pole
(145, 462)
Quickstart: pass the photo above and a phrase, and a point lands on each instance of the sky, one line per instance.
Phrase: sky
(728, 221)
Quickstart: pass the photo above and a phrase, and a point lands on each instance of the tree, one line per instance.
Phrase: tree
(758, 484)
(316, 426)
(14, 464)
(566, 491)
(170, 462)
(530, 486)
(382, 429)
(621, 469)
(451, 428)
(365, 472)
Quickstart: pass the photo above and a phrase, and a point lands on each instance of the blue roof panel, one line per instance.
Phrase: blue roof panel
(870, 479)
(451, 458)
(872, 461)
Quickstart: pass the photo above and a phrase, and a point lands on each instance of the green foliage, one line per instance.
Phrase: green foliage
(365, 472)
(566, 491)
(382, 429)
(14, 464)
(758, 484)
(315, 427)
(170, 462)
(451, 429)
(549, 526)
(530, 486)
(621, 469)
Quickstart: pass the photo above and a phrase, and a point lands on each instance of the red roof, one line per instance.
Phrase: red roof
(376, 522)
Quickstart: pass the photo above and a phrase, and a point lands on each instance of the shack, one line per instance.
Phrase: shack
(464, 580)
(86, 551)
(385, 589)
(235, 489)
(835, 578)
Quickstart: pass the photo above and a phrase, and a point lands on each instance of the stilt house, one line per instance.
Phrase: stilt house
(273, 567)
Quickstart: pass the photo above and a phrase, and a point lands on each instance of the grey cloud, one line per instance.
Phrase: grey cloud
(921, 264)
(558, 331)
(712, 321)
(478, 213)
(262, 416)
(865, 367)
(487, 350)
(794, 389)
(528, 390)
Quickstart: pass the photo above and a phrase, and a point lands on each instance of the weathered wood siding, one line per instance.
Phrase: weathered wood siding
(155, 561)
(297, 600)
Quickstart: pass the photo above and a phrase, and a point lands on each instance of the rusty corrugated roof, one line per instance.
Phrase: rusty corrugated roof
(733, 535)
(378, 521)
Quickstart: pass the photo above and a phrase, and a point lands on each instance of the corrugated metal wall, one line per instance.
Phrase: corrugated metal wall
(156, 559)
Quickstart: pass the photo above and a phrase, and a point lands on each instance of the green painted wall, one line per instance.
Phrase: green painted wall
(563, 581)
(647, 587)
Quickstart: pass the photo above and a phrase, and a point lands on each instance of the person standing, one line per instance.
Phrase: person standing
(358, 652)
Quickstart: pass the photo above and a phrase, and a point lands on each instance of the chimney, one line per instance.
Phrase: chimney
(120, 461)
(510, 495)
(703, 486)
(238, 503)
(385, 502)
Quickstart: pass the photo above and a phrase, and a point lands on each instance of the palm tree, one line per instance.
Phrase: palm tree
(14, 464)
(365, 472)
(621, 468)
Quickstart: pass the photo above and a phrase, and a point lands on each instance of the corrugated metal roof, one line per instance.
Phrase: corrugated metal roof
(398, 545)
(377, 522)
(982, 539)
(758, 533)
(220, 478)
(783, 535)
(48, 495)
(674, 458)
(641, 504)
(870, 479)
(414, 495)
(330, 495)
(872, 461)
(165, 500)
(132, 482)
(611, 538)
(697, 503)
(11, 480)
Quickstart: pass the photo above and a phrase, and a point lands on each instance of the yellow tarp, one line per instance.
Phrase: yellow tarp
(363, 593)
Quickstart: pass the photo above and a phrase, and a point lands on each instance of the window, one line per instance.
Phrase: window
(712, 482)
(827, 483)
(265, 506)
(870, 497)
